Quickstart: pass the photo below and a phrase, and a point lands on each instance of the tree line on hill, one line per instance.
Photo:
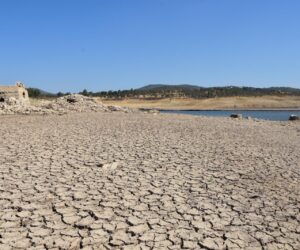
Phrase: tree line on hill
(37, 93)
(175, 91)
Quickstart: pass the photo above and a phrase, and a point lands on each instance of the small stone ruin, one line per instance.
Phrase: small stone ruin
(17, 92)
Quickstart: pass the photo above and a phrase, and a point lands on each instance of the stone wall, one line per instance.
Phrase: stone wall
(18, 91)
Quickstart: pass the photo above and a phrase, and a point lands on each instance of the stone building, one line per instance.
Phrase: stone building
(18, 92)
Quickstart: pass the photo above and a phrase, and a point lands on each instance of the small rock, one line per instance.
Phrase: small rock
(236, 116)
(294, 117)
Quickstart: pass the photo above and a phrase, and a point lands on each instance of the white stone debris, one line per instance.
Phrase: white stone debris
(62, 105)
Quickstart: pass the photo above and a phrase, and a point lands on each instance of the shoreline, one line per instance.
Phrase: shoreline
(267, 114)
(239, 109)
(221, 103)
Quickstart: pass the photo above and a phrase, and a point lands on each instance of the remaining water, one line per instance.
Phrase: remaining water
(272, 115)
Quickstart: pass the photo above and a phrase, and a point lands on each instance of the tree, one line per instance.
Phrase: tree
(33, 92)
(84, 92)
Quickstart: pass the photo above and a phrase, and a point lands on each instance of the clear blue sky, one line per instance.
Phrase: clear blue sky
(69, 45)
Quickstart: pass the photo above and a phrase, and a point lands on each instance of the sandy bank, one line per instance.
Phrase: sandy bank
(264, 102)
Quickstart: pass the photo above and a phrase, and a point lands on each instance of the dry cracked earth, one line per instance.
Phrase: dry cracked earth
(140, 181)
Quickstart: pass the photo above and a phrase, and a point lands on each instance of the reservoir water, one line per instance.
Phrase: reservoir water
(272, 115)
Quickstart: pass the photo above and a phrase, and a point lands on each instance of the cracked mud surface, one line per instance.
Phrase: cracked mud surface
(139, 181)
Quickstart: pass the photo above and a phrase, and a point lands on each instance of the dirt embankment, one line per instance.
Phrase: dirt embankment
(262, 102)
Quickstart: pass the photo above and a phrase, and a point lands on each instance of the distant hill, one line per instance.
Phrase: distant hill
(192, 91)
(285, 89)
(158, 87)
(170, 87)
(159, 91)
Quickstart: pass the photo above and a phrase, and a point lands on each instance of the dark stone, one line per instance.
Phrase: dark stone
(236, 116)
(294, 118)
(71, 100)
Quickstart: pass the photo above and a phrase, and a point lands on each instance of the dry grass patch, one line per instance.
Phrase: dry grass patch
(262, 102)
